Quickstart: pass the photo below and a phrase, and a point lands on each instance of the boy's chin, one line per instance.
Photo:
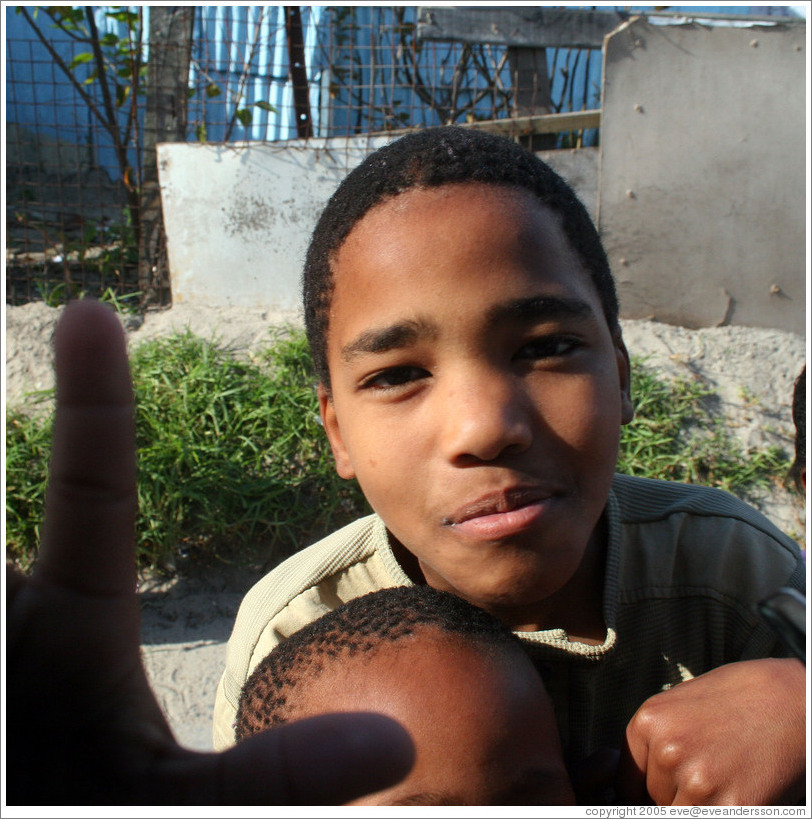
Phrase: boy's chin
(516, 590)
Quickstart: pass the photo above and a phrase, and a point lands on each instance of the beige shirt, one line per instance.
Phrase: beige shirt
(685, 568)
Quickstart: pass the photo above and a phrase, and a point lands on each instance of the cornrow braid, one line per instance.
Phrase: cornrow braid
(357, 627)
(431, 158)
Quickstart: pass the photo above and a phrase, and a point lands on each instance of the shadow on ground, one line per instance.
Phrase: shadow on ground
(196, 605)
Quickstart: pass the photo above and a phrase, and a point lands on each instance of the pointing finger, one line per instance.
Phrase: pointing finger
(88, 530)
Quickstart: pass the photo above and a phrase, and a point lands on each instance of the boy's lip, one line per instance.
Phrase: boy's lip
(499, 503)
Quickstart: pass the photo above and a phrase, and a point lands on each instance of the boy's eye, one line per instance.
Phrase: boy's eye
(393, 377)
(547, 347)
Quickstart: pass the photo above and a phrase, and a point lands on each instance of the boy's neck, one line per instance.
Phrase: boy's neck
(576, 608)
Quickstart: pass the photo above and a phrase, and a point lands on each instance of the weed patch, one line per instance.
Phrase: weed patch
(675, 436)
(232, 457)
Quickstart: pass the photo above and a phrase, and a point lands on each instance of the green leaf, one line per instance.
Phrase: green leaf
(245, 116)
(128, 17)
(65, 16)
(200, 132)
(109, 39)
(80, 59)
(122, 93)
(213, 90)
(91, 78)
(266, 106)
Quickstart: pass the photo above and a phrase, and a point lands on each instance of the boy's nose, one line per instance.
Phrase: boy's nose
(489, 418)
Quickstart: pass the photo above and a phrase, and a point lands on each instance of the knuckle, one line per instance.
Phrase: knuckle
(649, 717)
(698, 782)
(668, 755)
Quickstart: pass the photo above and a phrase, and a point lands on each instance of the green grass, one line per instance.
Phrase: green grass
(233, 460)
(232, 451)
(231, 457)
(28, 444)
(675, 436)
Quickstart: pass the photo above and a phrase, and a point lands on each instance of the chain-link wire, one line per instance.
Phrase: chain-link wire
(89, 95)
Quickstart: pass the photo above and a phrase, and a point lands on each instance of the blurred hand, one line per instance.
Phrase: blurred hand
(83, 726)
(733, 736)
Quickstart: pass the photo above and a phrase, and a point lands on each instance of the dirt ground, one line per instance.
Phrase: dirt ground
(187, 621)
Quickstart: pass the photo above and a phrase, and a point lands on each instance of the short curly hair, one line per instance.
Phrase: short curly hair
(357, 627)
(799, 420)
(431, 158)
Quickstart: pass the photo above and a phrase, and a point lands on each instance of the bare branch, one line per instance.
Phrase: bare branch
(112, 123)
(136, 61)
(246, 69)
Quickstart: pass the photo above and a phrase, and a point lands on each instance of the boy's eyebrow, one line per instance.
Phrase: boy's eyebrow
(539, 308)
(393, 337)
(403, 334)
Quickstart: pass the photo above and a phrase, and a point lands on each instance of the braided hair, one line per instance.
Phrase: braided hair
(357, 627)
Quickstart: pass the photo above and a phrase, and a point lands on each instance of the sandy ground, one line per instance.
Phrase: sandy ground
(185, 624)
(186, 621)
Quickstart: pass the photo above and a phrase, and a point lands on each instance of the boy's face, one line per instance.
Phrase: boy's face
(477, 392)
(482, 724)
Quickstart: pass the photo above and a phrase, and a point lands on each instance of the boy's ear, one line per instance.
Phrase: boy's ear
(624, 369)
(329, 419)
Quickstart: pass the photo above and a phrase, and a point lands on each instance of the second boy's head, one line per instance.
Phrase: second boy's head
(455, 677)
(473, 377)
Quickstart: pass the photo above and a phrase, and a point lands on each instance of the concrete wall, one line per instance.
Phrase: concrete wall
(238, 218)
(579, 167)
(700, 198)
(702, 190)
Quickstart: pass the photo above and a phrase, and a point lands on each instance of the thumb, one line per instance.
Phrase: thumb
(325, 760)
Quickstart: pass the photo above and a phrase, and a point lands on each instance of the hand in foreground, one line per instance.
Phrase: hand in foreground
(83, 726)
(733, 736)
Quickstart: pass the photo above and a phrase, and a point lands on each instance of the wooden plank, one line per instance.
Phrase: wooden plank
(531, 92)
(522, 26)
(531, 81)
(297, 70)
(542, 124)
(521, 126)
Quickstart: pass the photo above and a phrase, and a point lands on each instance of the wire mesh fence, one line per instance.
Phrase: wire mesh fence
(87, 99)
(91, 90)
(354, 70)
(72, 152)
